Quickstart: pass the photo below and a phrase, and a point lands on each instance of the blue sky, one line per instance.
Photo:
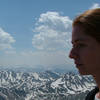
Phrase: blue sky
(38, 32)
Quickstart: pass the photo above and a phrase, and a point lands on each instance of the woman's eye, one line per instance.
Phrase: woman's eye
(78, 45)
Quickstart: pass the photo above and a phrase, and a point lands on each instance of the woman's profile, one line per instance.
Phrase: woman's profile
(86, 47)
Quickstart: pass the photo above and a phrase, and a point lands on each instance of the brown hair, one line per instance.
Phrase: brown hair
(90, 22)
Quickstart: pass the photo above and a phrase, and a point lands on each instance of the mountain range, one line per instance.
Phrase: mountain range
(47, 85)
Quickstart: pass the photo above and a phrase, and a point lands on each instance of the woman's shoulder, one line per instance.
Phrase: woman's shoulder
(91, 94)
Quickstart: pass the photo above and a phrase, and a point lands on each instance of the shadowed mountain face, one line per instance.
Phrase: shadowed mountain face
(47, 85)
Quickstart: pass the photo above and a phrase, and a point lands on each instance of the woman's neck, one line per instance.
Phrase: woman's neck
(97, 79)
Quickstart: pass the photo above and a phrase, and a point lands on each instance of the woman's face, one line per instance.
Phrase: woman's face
(85, 52)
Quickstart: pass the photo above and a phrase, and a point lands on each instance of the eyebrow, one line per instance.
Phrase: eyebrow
(78, 40)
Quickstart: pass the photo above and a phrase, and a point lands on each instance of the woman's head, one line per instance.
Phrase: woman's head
(90, 22)
(86, 42)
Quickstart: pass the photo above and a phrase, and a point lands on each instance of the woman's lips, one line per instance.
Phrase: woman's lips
(78, 64)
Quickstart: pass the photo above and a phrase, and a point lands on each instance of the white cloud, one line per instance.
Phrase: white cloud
(5, 40)
(95, 5)
(53, 32)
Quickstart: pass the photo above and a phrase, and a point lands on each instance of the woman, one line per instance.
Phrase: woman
(86, 47)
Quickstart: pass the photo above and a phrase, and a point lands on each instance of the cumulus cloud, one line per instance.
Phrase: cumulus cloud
(95, 5)
(5, 40)
(52, 32)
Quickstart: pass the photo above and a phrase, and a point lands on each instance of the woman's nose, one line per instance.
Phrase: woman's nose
(73, 54)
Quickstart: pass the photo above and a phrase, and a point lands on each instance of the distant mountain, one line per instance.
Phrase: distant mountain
(48, 85)
(23, 68)
(38, 68)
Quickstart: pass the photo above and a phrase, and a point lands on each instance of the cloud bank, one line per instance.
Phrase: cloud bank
(51, 39)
